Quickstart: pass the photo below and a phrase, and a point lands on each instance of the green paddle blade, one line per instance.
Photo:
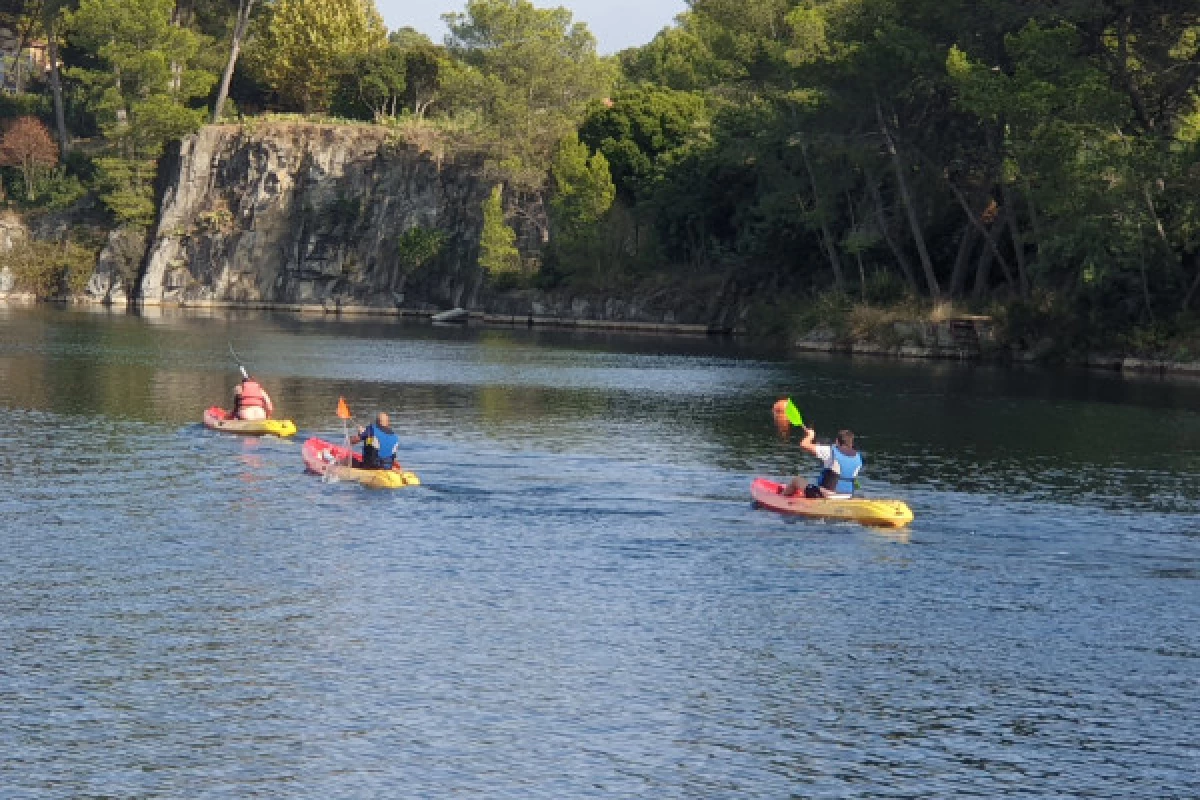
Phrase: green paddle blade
(793, 414)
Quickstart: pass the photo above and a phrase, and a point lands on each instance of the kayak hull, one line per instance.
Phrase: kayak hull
(880, 513)
(325, 458)
(218, 419)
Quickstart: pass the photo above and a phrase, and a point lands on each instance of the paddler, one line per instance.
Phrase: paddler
(251, 401)
(379, 443)
(841, 464)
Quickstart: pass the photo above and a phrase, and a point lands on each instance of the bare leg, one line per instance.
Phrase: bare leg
(792, 487)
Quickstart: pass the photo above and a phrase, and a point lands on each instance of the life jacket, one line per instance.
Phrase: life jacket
(840, 477)
(379, 447)
(253, 396)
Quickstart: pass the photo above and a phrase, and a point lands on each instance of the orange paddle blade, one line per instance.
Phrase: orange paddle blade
(343, 411)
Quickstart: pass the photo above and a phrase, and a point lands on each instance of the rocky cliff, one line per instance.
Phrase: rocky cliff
(289, 213)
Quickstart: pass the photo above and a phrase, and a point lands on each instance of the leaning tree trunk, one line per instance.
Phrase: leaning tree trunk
(990, 253)
(239, 31)
(826, 236)
(958, 278)
(886, 229)
(906, 200)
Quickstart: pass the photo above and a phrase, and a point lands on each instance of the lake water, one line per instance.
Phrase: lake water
(580, 601)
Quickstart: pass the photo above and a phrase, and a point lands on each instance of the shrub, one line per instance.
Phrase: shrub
(50, 269)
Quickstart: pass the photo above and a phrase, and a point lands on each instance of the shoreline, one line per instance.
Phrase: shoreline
(1099, 362)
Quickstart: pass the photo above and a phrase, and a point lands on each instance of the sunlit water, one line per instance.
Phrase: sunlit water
(580, 600)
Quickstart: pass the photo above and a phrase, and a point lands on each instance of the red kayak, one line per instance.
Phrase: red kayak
(333, 460)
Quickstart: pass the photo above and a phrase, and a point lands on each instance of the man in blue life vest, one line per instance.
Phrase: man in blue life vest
(379, 443)
(840, 466)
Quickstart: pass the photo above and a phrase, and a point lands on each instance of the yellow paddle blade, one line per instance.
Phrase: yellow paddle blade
(343, 411)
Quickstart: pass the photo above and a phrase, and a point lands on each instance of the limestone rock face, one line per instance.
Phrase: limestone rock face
(305, 213)
(117, 267)
(12, 231)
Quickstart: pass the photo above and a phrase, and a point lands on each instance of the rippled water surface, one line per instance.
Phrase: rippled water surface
(581, 601)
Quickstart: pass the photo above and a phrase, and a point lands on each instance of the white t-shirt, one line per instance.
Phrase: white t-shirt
(825, 453)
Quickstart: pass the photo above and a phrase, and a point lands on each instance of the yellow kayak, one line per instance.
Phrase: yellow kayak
(218, 419)
(882, 513)
(324, 458)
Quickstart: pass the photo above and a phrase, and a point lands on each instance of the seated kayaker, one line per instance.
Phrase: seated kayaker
(841, 465)
(379, 443)
(251, 401)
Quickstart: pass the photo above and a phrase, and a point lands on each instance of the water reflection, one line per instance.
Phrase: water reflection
(580, 601)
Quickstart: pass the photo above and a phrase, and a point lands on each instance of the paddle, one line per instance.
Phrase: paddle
(788, 410)
(793, 414)
(343, 412)
(238, 361)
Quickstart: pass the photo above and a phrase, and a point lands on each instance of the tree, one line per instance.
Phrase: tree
(642, 131)
(532, 71)
(371, 85)
(498, 254)
(51, 12)
(142, 86)
(583, 188)
(28, 145)
(304, 43)
(240, 26)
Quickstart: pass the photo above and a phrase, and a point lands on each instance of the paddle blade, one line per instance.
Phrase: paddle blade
(793, 414)
(343, 410)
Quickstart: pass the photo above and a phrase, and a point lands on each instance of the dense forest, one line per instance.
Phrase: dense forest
(1039, 162)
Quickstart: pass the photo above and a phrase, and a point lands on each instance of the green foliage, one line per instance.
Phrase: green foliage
(126, 189)
(498, 254)
(418, 246)
(141, 82)
(301, 47)
(49, 269)
(531, 71)
(583, 188)
(642, 132)
(371, 85)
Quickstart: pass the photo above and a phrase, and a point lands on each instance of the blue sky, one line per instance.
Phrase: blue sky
(617, 24)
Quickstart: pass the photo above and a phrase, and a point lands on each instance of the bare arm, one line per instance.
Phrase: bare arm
(809, 443)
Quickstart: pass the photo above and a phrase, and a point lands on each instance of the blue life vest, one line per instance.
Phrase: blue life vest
(840, 479)
(379, 447)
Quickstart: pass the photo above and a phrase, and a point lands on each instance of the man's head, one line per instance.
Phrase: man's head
(381, 419)
(846, 438)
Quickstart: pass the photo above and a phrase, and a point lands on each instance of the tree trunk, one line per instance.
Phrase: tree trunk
(990, 242)
(885, 229)
(239, 31)
(983, 270)
(826, 237)
(60, 117)
(1014, 229)
(958, 279)
(1187, 298)
(914, 223)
